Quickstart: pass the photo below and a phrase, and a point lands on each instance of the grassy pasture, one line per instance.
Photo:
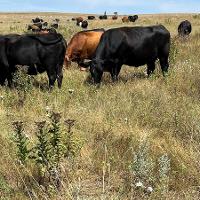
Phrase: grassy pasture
(134, 118)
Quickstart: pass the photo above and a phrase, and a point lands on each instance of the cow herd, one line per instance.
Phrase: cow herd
(84, 23)
(98, 49)
(39, 26)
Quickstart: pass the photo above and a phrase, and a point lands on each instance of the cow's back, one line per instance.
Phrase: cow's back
(83, 44)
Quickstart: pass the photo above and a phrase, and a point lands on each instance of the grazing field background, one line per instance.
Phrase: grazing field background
(138, 131)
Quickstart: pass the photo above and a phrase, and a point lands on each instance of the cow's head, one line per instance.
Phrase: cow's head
(96, 70)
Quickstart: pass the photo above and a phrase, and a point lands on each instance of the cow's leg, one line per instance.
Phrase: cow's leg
(10, 80)
(59, 76)
(52, 78)
(115, 72)
(150, 68)
(11, 71)
(164, 65)
(32, 70)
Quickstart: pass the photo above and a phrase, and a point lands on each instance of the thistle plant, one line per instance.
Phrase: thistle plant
(52, 146)
(57, 148)
(21, 141)
(42, 146)
(55, 138)
(72, 144)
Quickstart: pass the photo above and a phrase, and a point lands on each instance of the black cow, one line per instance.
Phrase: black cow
(103, 17)
(132, 18)
(40, 52)
(91, 17)
(35, 26)
(184, 28)
(4, 66)
(37, 20)
(54, 25)
(84, 24)
(134, 46)
(44, 25)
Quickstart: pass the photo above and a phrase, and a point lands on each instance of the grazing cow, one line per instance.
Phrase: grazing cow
(91, 17)
(37, 20)
(184, 28)
(114, 17)
(44, 25)
(73, 19)
(133, 46)
(34, 28)
(78, 20)
(84, 24)
(82, 46)
(56, 20)
(125, 19)
(41, 53)
(54, 25)
(132, 18)
(103, 17)
(47, 30)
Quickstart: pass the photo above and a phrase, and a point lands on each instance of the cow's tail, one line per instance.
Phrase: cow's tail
(3, 53)
(4, 65)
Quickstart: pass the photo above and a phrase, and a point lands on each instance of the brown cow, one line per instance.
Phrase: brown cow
(125, 19)
(78, 20)
(82, 46)
(114, 17)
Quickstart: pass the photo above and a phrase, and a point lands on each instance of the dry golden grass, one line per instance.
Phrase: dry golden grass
(113, 120)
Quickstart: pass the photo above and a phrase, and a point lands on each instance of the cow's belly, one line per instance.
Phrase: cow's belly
(135, 63)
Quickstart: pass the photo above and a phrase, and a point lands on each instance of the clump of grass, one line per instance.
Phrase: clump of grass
(173, 52)
(21, 80)
(5, 190)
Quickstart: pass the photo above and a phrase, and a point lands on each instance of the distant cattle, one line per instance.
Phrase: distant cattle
(47, 30)
(37, 20)
(125, 19)
(84, 24)
(35, 27)
(54, 25)
(184, 28)
(44, 25)
(78, 20)
(103, 17)
(132, 18)
(40, 53)
(73, 19)
(56, 20)
(82, 46)
(91, 17)
(114, 17)
(133, 46)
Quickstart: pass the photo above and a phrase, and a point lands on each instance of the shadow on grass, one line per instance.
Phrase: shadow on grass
(106, 79)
